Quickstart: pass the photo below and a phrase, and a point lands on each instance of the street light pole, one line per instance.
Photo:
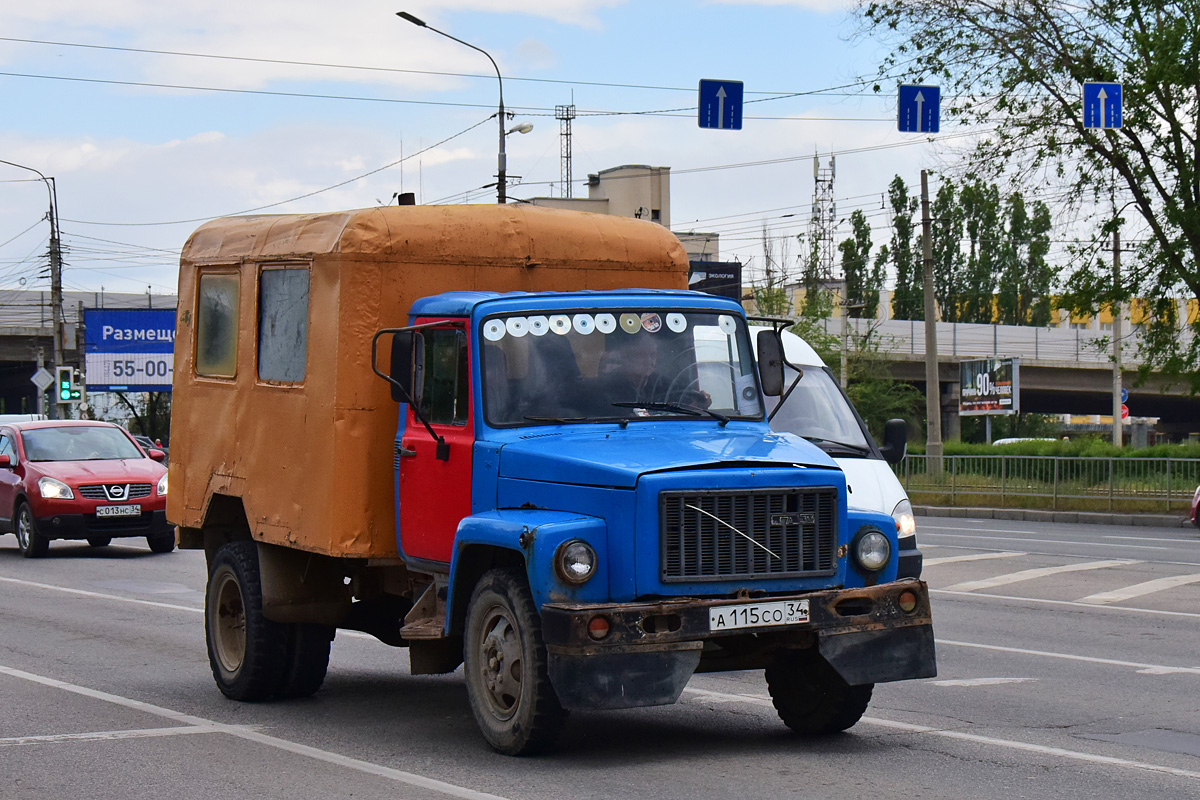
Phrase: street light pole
(501, 160)
(55, 270)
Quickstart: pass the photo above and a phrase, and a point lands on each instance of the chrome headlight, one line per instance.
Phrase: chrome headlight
(871, 548)
(575, 561)
(906, 523)
(55, 489)
(162, 485)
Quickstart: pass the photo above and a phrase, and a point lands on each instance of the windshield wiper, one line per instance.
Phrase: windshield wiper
(853, 448)
(680, 408)
(622, 421)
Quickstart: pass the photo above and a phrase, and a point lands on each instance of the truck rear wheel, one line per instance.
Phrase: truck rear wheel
(245, 649)
(307, 659)
(811, 697)
(505, 663)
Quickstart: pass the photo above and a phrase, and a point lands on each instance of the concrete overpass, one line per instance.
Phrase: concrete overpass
(1063, 370)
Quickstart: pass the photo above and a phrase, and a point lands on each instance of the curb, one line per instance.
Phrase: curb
(1044, 515)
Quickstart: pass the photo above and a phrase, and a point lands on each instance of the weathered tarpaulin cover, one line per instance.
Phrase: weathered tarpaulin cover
(312, 461)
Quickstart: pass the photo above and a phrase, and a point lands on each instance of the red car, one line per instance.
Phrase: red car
(63, 479)
(1196, 508)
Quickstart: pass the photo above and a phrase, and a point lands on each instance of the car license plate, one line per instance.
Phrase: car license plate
(134, 510)
(757, 615)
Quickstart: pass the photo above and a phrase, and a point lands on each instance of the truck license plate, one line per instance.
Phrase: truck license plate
(134, 510)
(757, 615)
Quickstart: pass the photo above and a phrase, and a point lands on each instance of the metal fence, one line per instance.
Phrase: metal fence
(1053, 482)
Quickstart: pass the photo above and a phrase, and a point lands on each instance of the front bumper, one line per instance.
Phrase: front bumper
(82, 526)
(652, 649)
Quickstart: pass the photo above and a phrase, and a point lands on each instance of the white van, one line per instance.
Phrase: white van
(818, 410)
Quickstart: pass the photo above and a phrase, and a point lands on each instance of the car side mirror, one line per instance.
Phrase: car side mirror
(157, 455)
(401, 368)
(895, 441)
(770, 362)
(6, 461)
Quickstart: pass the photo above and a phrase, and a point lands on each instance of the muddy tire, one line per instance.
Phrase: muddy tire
(307, 659)
(811, 698)
(247, 651)
(505, 663)
(30, 541)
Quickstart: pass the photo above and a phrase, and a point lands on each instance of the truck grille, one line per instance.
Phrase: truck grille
(798, 527)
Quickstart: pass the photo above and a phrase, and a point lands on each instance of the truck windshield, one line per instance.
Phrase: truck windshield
(817, 410)
(621, 364)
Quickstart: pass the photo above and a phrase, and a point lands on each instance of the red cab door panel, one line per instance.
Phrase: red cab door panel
(435, 494)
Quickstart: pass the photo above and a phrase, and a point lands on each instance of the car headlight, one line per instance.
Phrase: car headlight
(55, 489)
(162, 485)
(906, 523)
(575, 561)
(871, 548)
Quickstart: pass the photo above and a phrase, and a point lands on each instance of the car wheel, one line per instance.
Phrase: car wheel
(162, 543)
(99, 541)
(245, 649)
(811, 697)
(30, 541)
(505, 662)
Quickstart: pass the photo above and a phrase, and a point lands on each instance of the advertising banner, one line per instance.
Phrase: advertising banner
(129, 349)
(989, 386)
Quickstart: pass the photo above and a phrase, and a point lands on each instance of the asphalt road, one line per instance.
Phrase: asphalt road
(1067, 657)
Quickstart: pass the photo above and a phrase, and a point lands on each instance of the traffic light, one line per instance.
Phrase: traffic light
(68, 389)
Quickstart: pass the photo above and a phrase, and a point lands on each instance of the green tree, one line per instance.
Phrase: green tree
(149, 414)
(947, 252)
(981, 220)
(770, 294)
(862, 280)
(907, 300)
(1025, 275)
(1015, 71)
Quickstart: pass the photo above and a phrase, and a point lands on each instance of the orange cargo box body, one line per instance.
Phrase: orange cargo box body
(308, 460)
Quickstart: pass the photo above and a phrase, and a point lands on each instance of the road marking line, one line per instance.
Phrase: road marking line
(1139, 589)
(100, 736)
(1145, 669)
(396, 775)
(907, 727)
(933, 562)
(1033, 574)
(1074, 603)
(1152, 539)
(982, 681)
(1026, 540)
(101, 595)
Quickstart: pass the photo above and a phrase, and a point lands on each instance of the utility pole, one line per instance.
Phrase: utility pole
(933, 387)
(1118, 424)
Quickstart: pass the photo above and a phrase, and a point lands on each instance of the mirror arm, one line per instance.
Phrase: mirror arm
(442, 453)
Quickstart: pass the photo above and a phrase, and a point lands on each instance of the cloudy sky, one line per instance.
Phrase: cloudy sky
(153, 117)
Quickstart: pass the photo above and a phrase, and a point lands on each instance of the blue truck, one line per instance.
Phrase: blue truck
(586, 503)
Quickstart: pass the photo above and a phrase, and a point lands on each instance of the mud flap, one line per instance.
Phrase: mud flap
(626, 677)
(895, 654)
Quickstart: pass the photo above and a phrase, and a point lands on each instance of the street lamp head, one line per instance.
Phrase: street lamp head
(523, 127)
(414, 20)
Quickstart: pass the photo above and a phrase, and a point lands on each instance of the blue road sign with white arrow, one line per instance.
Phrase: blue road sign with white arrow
(720, 104)
(1101, 105)
(919, 109)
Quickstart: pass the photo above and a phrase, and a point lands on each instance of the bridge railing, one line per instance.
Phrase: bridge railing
(1064, 483)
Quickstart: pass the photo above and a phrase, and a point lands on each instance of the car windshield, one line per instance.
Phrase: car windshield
(617, 365)
(78, 443)
(817, 410)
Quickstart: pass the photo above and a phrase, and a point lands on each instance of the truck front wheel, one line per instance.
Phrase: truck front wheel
(811, 697)
(505, 663)
(246, 650)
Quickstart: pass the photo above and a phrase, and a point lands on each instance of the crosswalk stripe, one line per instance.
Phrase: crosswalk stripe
(1139, 589)
(1031, 574)
(933, 562)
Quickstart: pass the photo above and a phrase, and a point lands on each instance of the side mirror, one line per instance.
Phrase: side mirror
(770, 362)
(895, 441)
(5, 461)
(401, 368)
(156, 454)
